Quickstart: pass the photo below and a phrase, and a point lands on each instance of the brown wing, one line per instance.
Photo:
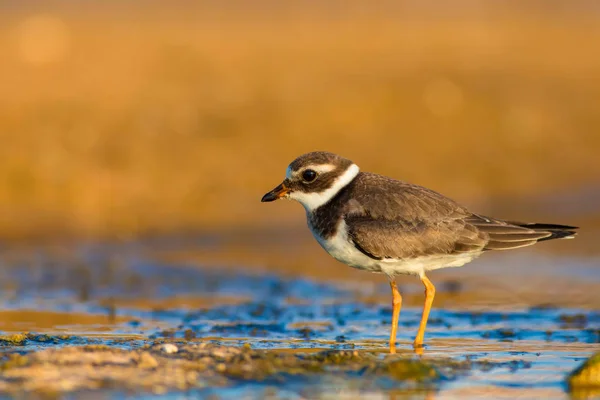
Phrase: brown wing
(384, 198)
(381, 239)
(394, 219)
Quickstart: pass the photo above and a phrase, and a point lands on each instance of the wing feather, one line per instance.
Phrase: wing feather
(394, 219)
(398, 220)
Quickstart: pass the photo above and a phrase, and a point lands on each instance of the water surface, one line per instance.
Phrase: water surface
(533, 315)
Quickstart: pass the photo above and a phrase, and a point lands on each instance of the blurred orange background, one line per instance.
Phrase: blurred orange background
(128, 118)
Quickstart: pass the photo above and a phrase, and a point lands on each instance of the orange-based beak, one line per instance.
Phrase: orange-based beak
(276, 193)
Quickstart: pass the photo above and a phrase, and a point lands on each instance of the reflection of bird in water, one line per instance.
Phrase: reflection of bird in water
(379, 224)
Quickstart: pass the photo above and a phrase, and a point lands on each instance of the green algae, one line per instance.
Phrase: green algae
(409, 370)
(273, 365)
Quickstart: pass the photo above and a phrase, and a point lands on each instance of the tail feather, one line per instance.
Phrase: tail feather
(518, 237)
(504, 235)
(498, 245)
(556, 231)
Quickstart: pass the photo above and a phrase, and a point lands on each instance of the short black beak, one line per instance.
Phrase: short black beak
(275, 194)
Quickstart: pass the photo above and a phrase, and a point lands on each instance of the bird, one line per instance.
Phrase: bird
(388, 226)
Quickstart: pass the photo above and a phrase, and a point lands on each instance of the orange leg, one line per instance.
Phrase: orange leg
(396, 305)
(429, 295)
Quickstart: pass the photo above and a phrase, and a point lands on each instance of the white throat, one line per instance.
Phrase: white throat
(312, 201)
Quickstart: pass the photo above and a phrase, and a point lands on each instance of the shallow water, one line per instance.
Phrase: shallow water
(533, 314)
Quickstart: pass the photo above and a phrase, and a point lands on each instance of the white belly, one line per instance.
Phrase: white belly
(342, 249)
(418, 266)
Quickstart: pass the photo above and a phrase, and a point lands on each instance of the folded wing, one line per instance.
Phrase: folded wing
(399, 220)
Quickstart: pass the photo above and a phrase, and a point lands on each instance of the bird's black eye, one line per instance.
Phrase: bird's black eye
(309, 175)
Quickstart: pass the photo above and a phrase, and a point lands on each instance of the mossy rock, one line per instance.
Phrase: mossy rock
(586, 375)
(407, 370)
(16, 339)
(21, 339)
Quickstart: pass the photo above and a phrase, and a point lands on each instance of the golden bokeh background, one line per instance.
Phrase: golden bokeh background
(128, 118)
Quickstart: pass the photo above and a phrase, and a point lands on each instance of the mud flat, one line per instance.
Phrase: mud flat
(166, 366)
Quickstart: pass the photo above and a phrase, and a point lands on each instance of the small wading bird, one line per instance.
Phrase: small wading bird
(379, 224)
